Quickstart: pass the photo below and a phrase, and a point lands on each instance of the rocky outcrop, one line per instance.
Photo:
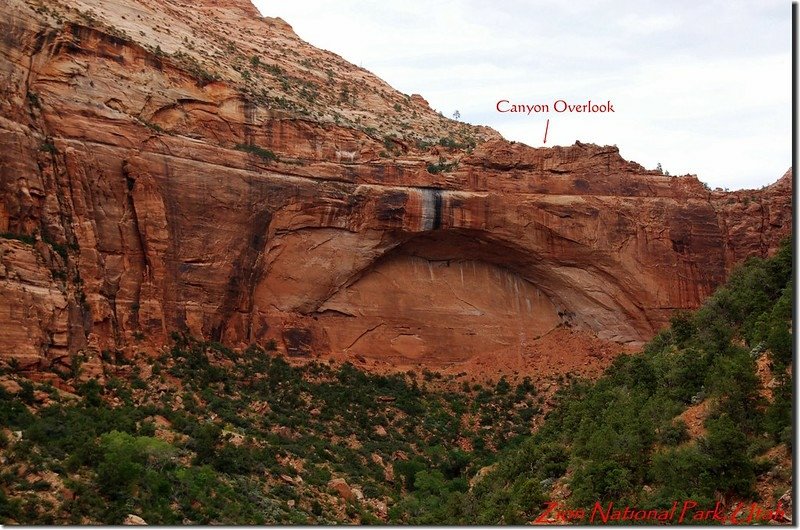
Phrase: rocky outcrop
(133, 520)
(754, 222)
(34, 313)
(143, 193)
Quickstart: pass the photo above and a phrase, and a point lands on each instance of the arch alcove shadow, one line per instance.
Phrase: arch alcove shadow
(447, 295)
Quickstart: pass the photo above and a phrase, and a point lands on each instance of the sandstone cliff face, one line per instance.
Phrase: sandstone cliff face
(159, 195)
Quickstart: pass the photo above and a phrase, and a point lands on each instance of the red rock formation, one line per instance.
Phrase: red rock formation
(754, 221)
(288, 204)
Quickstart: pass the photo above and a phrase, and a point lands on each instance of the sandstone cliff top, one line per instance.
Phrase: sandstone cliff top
(263, 58)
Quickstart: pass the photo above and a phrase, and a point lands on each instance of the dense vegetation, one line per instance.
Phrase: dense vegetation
(207, 435)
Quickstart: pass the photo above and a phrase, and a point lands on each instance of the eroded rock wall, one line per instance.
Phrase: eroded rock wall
(131, 209)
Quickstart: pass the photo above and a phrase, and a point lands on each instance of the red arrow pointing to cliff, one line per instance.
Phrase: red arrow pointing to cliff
(546, 127)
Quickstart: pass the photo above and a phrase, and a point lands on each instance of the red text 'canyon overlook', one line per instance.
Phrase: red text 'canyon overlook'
(560, 106)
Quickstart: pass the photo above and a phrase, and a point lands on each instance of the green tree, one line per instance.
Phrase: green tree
(726, 447)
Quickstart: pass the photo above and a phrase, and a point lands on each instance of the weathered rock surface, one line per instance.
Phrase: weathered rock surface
(340, 486)
(296, 202)
(133, 520)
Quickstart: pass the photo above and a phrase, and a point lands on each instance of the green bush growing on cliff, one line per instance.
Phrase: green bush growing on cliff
(441, 167)
(30, 240)
(266, 154)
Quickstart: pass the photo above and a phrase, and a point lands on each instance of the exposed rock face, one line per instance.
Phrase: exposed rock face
(34, 312)
(210, 202)
(755, 222)
(133, 520)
